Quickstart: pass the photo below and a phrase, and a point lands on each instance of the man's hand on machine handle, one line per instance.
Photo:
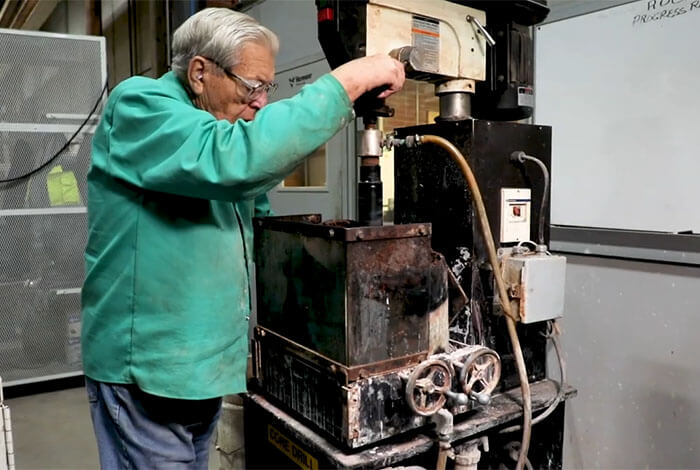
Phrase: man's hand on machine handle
(368, 73)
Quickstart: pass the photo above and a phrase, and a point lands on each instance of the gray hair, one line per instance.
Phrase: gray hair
(219, 34)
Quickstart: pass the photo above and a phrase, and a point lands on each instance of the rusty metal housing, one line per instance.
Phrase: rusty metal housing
(354, 295)
(344, 313)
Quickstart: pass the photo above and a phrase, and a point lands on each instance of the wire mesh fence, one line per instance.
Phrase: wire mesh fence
(51, 83)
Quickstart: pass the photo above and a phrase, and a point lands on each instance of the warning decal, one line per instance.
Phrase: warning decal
(298, 455)
(425, 33)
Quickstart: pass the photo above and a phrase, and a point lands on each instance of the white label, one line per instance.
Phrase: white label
(73, 352)
(515, 215)
(526, 97)
(74, 327)
(425, 33)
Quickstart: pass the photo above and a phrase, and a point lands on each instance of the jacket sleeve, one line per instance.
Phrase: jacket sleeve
(262, 207)
(160, 143)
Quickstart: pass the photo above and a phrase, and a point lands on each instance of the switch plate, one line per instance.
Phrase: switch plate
(515, 214)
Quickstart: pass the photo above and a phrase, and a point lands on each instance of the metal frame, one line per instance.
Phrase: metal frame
(505, 408)
(345, 152)
(64, 123)
(100, 39)
(46, 128)
(7, 452)
(571, 9)
(265, 337)
(44, 378)
(281, 188)
(636, 245)
(43, 211)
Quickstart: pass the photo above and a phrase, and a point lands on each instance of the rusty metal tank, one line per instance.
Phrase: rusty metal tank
(356, 295)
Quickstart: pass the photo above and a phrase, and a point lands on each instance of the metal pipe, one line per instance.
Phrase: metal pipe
(443, 453)
(444, 428)
(457, 156)
(369, 186)
(455, 106)
(468, 458)
(369, 195)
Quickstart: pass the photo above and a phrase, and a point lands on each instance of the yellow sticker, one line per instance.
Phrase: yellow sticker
(62, 187)
(298, 455)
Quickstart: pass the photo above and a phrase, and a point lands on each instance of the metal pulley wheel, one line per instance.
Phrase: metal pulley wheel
(426, 386)
(481, 372)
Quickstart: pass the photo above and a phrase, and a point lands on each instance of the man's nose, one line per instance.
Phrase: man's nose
(259, 101)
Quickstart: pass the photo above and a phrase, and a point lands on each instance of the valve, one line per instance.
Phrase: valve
(428, 386)
(391, 140)
(481, 371)
(457, 398)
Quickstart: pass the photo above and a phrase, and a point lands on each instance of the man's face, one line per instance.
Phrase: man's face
(228, 97)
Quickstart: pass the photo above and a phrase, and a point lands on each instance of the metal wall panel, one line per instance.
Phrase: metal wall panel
(631, 349)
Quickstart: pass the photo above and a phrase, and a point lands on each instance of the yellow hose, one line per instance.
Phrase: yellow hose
(457, 156)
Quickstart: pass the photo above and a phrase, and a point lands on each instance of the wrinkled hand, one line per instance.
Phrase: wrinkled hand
(367, 73)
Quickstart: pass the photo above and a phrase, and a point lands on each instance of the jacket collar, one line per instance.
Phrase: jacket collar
(174, 83)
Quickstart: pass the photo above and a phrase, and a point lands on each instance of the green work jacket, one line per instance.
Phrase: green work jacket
(171, 196)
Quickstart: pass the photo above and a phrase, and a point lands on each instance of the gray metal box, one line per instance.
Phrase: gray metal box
(536, 284)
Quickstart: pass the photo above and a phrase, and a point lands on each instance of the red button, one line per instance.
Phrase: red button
(325, 14)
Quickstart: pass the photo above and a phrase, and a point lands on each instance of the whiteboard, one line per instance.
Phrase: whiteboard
(621, 89)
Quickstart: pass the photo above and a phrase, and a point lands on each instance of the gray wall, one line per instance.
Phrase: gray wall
(631, 346)
(294, 21)
(629, 336)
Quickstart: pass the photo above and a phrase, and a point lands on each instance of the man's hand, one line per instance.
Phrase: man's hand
(367, 73)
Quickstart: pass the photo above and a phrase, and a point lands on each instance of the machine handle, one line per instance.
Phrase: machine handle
(411, 58)
(483, 31)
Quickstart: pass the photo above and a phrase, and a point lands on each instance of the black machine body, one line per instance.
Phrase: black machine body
(431, 189)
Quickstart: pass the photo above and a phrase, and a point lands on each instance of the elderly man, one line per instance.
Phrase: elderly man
(180, 166)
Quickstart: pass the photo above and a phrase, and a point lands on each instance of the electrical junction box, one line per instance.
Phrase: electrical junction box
(515, 215)
(536, 282)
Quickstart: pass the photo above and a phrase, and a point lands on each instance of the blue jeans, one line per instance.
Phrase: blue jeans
(136, 430)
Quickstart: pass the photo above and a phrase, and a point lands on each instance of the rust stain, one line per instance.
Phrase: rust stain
(353, 415)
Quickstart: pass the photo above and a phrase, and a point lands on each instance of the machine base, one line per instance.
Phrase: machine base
(274, 439)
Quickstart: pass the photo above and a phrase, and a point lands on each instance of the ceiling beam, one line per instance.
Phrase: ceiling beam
(26, 14)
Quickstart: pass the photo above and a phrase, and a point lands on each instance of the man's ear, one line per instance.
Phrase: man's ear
(196, 75)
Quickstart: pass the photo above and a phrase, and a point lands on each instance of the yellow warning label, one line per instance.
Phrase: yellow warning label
(298, 455)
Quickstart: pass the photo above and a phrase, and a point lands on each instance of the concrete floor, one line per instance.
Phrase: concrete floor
(53, 431)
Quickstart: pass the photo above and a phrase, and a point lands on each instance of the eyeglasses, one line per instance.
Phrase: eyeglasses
(255, 88)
